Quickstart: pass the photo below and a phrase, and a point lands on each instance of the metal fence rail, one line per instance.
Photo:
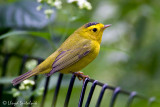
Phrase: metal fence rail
(116, 90)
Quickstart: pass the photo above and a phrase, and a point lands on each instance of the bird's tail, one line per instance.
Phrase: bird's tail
(23, 77)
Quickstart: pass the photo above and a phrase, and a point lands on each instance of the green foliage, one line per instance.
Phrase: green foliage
(32, 33)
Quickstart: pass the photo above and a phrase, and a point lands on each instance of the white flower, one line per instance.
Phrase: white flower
(39, 7)
(22, 87)
(25, 84)
(58, 4)
(82, 4)
(28, 82)
(49, 1)
(48, 12)
(71, 1)
(31, 64)
(27, 87)
(39, 1)
(16, 94)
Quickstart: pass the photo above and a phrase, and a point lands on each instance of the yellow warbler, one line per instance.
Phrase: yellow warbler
(78, 50)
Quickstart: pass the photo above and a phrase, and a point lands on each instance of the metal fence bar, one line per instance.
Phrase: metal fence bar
(57, 90)
(69, 91)
(45, 91)
(5, 63)
(131, 98)
(101, 95)
(4, 70)
(114, 96)
(83, 92)
(91, 93)
(24, 59)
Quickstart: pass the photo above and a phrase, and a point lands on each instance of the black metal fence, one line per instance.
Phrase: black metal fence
(116, 90)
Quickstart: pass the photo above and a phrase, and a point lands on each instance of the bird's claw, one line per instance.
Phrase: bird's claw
(81, 76)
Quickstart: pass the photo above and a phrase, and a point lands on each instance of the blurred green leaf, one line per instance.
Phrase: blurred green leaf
(23, 14)
(13, 33)
(6, 80)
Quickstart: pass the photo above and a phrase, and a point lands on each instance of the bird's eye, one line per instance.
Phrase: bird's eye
(94, 29)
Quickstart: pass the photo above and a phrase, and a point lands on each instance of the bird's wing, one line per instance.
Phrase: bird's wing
(68, 57)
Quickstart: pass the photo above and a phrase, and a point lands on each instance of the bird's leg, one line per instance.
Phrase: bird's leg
(80, 75)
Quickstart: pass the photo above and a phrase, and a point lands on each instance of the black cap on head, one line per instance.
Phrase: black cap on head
(90, 24)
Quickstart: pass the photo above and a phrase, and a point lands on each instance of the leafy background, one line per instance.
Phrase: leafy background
(129, 55)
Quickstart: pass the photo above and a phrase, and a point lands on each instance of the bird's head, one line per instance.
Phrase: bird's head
(92, 30)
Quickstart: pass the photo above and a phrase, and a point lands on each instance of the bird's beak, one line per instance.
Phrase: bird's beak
(105, 26)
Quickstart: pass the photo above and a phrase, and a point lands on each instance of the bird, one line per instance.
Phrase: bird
(75, 53)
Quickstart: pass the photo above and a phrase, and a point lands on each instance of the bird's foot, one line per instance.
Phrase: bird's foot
(81, 76)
